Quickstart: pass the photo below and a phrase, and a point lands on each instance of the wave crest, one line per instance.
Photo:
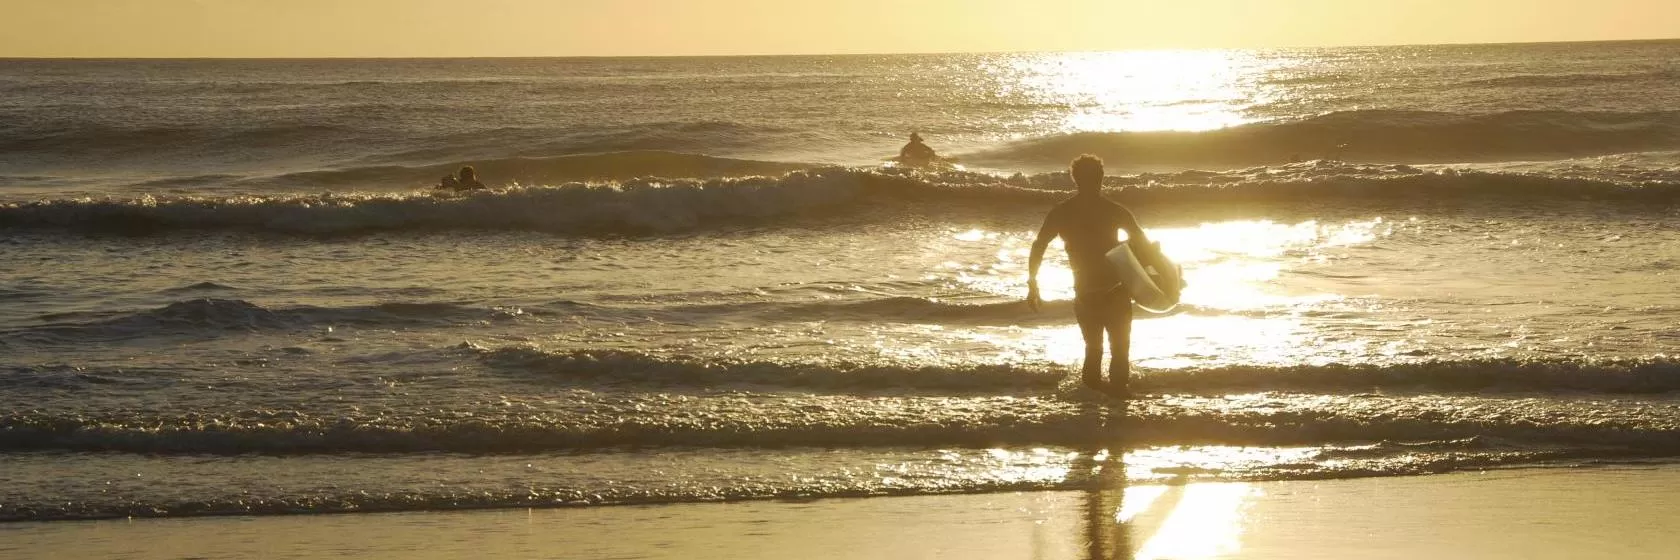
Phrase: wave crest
(593, 420)
(537, 170)
(1367, 135)
(212, 316)
(1504, 375)
(659, 206)
(1576, 79)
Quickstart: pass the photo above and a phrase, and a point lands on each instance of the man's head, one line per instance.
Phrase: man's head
(468, 173)
(1087, 172)
(915, 137)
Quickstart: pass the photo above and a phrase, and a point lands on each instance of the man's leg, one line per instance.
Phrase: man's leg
(1088, 310)
(1119, 326)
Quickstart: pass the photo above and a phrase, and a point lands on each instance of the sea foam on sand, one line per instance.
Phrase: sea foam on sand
(1621, 512)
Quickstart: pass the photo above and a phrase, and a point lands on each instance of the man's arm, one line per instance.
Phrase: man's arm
(1129, 223)
(1045, 234)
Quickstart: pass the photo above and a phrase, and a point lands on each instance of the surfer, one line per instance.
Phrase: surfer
(916, 153)
(465, 180)
(1088, 224)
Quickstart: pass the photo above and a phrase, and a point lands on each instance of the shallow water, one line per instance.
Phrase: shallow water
(282, 324)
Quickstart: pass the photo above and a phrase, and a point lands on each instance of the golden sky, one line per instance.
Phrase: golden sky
(425, 28)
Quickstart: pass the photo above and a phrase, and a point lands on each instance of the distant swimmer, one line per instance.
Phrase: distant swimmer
(466, 180)
(1089, 225)
(917, 153)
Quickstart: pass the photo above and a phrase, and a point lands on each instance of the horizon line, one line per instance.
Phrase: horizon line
(768, 55)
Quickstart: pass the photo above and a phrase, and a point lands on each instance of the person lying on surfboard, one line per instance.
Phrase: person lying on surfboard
(1088, 224)
(467, 180)
(916, 153)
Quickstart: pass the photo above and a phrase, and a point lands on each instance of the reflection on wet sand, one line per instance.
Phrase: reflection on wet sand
(1175, 520)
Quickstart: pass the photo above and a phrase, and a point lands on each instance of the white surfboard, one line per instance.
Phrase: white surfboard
(1153, 279)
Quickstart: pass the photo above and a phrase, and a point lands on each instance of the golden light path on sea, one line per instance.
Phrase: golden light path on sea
(1238, 309)
(1176, 90)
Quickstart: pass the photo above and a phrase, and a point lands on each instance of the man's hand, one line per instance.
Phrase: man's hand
(1034, 301)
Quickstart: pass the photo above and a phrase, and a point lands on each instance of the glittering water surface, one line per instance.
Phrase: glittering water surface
(223, 294)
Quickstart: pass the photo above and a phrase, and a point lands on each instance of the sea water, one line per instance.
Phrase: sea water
(225, 287)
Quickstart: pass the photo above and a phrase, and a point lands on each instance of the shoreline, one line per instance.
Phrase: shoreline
(1559, 512)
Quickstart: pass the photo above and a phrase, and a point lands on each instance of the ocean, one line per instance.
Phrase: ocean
(226, 288)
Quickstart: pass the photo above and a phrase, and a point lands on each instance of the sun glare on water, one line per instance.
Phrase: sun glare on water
(1137, 90)
(1234, 309)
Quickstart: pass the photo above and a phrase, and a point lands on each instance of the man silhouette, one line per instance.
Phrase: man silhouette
(1089, 225)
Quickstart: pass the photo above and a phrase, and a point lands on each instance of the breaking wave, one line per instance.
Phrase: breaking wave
(537, 170)
(1608, 376)
(394, 483)
(750, 476)
(733, 420)
(212, 313)
(659, 206)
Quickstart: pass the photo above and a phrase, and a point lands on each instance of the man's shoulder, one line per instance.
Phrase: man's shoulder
(1074, 204)
(1082, 202)
(1113, 204)
(1062, 206)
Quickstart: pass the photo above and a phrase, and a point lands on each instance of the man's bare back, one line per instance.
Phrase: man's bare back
(1089, 224)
